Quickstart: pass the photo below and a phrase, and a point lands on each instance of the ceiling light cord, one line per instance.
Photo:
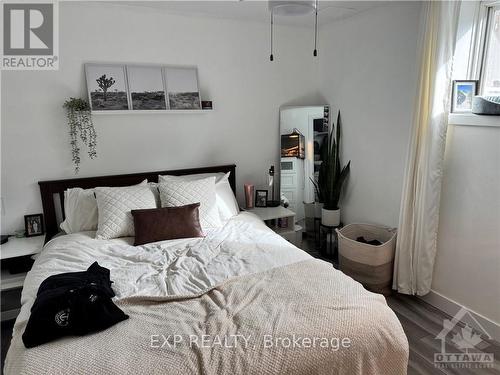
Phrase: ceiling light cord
(271, 57)
(315, 52)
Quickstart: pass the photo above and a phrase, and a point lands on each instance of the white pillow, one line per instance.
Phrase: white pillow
(114, 206)
(179, 192)
(226, 201)
(80, 210)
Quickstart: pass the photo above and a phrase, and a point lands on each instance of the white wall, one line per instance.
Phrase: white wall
(467, 268)
(234, 72)
(368, 71)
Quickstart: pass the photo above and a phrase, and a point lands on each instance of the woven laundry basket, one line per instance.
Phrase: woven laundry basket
(371, 265)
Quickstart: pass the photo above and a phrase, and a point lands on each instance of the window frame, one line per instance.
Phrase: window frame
(475, 59)
(479, 45)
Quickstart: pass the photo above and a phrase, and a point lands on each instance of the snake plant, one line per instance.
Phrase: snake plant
(331, 176)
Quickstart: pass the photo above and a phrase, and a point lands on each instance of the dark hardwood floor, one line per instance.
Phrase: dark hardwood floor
(421, 323)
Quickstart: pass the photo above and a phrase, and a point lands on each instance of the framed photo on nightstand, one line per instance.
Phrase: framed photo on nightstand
(261, 198)
(33, 224)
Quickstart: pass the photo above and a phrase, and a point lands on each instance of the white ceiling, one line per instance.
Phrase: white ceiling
(255, 10)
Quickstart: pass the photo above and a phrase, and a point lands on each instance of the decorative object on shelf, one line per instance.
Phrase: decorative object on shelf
(331, 177)
(294, 8)
(80, 127)
(182, 87)
(33, 225)
(463, 91)
(261, 198)
(206, 104)
(272, 202)
(145, 84)
(486, 105)
(249, 189)
(293, 145)
(107, 87)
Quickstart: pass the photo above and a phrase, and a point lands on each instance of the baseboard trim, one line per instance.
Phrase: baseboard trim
(451, 307)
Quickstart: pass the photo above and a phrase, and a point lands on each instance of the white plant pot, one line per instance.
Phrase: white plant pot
(309, 209)
(317, 209)
(330, 218)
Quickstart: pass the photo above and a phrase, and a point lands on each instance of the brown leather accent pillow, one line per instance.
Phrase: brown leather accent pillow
(166, 223)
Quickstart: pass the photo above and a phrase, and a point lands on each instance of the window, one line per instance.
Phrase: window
(490, 67)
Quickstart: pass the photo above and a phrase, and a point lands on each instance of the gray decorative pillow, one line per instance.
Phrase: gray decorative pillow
(114, 205)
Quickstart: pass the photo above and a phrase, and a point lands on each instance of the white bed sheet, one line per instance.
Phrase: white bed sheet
(244, 245)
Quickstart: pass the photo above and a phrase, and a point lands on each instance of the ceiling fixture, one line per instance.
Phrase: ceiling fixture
(294, 8)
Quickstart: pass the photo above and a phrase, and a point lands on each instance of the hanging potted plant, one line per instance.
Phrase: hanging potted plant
(331, 177)
(81, 129)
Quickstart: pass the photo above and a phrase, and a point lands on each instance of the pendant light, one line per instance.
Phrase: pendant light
(272, 25)
(293, 8)
(315, 52)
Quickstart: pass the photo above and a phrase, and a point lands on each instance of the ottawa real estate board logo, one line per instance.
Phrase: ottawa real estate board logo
(30, 35)
(462, 344)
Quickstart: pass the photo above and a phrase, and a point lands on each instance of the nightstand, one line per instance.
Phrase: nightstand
(273, 215)
(14, 252)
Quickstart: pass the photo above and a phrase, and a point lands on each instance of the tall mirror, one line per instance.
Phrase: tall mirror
(303, 129)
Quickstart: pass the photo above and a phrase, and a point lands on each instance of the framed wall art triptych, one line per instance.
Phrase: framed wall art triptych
(115, 87)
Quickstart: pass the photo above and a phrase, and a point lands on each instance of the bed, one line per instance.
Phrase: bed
(240, 300)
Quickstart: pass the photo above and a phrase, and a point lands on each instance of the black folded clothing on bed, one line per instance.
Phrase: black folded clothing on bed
(73, 303)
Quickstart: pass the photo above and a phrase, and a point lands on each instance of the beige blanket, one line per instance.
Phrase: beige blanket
(304, 318)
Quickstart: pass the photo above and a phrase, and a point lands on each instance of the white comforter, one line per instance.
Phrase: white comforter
(329, 304)
(177, 267)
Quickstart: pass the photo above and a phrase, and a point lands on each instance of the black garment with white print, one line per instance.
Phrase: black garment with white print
(73, 303)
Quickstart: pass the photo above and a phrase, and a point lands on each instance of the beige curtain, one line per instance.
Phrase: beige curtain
(419, 215)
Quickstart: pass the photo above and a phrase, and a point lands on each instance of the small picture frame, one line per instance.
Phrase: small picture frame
(462, 94)
(261, 198)
(33, 225)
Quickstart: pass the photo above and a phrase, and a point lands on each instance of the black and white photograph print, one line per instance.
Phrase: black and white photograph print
(33, 225)
(182, 87)
(107, 87)
(261, 198)
(145, 84)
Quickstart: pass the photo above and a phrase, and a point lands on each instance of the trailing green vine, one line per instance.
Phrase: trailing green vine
(80, 127)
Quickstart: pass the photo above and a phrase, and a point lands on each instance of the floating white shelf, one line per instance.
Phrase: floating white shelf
(159, 112)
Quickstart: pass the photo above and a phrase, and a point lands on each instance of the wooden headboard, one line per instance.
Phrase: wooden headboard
(52, 191)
